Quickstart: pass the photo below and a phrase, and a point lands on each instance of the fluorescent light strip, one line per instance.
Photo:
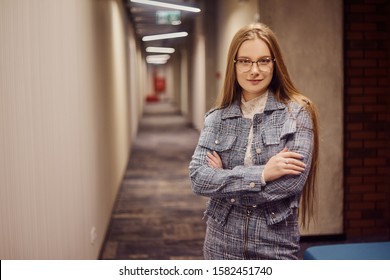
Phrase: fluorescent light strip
(158, 59)
(167, 5)
(156, 62)
(164, 36)
(158, 56)
(159, 50)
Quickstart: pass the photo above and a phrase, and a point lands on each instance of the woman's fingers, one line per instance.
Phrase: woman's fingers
(212, 157)
(284, 163)
(285, 149)
(293, 166)
(214, 160)
(291, 155)
(294, 162)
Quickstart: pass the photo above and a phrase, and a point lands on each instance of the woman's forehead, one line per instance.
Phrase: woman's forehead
(254, 47)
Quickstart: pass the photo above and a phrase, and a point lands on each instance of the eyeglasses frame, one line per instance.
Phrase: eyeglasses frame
(256, 61)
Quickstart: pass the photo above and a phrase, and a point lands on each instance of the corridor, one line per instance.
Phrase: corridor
(89, 169)
(156, 215)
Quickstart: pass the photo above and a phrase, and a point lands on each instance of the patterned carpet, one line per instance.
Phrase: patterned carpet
(156, 215)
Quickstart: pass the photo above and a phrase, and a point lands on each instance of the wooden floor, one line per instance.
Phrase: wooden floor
(156, 215)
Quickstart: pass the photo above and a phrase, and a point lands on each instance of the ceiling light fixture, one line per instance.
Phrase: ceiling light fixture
(164, 36)
(158, 59)
(159, 50)
(167, 5)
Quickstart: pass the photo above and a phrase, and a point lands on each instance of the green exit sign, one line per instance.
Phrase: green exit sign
(168, 17)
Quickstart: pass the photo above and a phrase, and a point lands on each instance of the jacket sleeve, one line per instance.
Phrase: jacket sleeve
(207, 181)
(289, 185)
(245, 182)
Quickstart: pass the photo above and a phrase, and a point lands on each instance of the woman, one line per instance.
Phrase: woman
(257, 155)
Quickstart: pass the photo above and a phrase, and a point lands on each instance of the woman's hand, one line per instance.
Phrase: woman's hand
(283, 163)
(214, 160)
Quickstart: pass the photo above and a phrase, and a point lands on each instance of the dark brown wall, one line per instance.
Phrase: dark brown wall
(367, 118)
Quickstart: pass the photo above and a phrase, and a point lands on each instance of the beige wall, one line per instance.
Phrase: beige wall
(310, 34)
(232, 15)
(64, 124)
(184, 88)
(198, 74)
(136, 80)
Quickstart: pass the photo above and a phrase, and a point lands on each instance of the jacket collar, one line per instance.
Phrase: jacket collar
(234, 110)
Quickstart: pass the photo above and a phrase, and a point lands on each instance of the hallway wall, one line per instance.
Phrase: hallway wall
(64, 124)
(232, 15)
(137, 74)
(198, 74)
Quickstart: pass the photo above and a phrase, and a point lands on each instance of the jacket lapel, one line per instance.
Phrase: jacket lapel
(234, 110)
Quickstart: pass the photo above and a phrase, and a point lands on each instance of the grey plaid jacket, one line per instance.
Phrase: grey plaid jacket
(226, 132)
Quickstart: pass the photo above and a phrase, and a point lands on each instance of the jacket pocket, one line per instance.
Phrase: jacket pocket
(222, 144)
(273, 135)
(217, 142)
(277, 213)
(218, 210)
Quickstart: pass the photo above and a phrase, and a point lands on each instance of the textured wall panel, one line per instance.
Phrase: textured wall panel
(64, 125)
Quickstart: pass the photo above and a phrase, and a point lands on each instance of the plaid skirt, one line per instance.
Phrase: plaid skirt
(246, 235)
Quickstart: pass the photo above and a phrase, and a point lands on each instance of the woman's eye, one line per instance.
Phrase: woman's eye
(265, 60)
(246, 61)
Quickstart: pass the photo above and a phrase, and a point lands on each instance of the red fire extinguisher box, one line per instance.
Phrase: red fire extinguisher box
(159, 84)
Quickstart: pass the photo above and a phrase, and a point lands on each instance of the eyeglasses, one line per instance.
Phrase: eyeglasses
(245, 65)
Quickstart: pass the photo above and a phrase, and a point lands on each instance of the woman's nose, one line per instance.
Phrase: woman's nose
(255, 69)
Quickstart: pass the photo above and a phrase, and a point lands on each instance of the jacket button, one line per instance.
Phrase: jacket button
(252, 185)
(258, 150)
(232, 200)
(216, 142)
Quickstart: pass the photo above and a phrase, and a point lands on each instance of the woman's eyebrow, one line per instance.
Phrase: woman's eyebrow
(259, 57)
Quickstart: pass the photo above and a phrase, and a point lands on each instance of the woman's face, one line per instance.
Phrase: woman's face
(254, 78)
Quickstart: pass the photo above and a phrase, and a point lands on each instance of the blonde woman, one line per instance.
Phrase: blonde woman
(257, 155)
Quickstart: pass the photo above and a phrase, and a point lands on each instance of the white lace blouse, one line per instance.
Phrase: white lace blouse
(249, 109)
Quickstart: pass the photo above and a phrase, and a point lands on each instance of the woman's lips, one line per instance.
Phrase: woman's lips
(254, 82)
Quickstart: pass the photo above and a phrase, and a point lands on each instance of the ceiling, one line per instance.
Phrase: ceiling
(144, 19)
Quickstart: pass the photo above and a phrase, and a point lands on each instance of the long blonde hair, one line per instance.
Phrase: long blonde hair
(284, 90)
